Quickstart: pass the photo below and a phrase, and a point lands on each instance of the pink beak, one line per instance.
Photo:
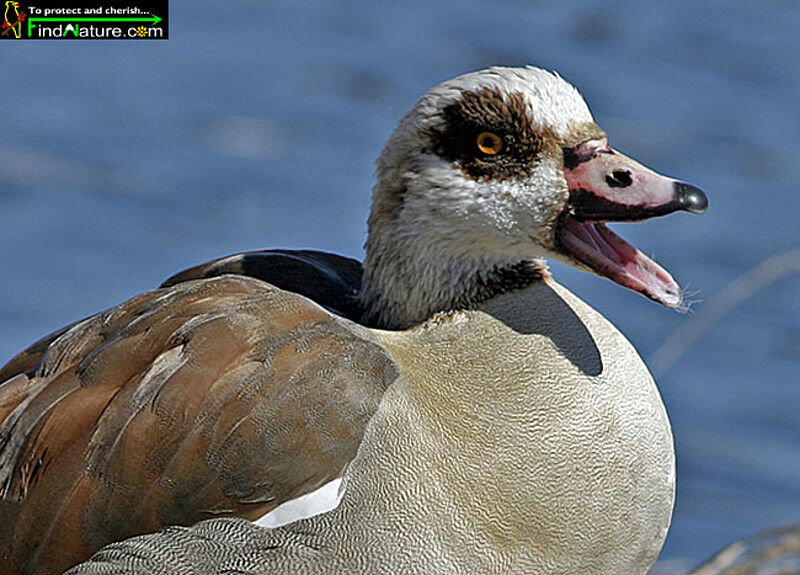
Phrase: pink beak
(609, 186)
(606, 186)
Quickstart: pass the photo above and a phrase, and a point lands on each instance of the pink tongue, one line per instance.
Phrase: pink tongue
(594, 245)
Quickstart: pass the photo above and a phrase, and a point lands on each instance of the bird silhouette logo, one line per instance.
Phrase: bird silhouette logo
(12, 20)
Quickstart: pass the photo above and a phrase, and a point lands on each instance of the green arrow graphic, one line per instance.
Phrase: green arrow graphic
(73, 29)
(153, 19)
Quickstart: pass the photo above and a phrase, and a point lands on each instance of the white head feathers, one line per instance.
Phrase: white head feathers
(442, 222)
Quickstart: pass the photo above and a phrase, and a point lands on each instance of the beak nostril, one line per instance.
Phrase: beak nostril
(619, 178)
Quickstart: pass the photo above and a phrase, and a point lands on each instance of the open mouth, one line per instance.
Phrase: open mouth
(607, 186)
(606, 254)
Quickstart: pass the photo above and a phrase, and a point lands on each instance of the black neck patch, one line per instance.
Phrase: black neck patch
(504, 279)
(475, 290)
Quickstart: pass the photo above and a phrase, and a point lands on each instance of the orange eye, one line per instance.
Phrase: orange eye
(489, 143)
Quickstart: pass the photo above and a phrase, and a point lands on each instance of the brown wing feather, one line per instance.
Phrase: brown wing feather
(28, 359)
(331, 280)
(223, 396)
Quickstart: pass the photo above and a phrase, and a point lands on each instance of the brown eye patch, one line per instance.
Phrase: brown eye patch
(489, 135)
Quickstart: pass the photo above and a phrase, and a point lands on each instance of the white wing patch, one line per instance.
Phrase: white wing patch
(321, 500)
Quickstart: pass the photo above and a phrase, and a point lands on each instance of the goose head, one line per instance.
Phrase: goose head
(493, 172)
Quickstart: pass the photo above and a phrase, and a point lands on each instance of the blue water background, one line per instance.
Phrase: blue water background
(256, 125)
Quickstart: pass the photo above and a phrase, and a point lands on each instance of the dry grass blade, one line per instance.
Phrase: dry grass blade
(734, 294)
(773, 552)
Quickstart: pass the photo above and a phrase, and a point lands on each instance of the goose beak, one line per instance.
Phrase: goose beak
(607, 186)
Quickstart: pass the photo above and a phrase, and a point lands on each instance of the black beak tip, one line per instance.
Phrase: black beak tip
(691, 198)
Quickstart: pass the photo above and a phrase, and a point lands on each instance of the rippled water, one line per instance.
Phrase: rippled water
(256, 125)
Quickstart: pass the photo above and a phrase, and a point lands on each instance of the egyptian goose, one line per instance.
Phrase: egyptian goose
(517, 432)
